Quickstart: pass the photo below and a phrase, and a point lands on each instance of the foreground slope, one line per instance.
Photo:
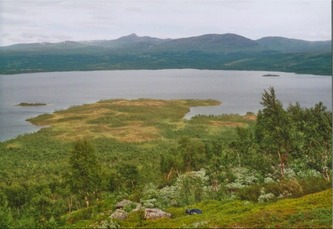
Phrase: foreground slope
(310, 211)
(147, 152)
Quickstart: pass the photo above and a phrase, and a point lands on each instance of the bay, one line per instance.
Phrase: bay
(239, 91)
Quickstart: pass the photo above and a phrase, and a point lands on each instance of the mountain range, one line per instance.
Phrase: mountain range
(210, 51)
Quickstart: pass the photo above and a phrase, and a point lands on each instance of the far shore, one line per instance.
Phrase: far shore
(31, 104)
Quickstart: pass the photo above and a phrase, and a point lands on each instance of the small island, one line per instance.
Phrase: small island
(31, 104)
(270, 75)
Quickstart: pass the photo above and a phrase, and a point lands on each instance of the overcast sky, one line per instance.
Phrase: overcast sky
(28, 21)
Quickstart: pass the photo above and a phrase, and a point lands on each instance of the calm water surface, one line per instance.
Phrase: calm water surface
(239, 91)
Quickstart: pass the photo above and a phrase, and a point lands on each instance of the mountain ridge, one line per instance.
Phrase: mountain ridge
(209, 51)
(134, 35)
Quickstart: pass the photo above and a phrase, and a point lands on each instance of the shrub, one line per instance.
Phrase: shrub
(188, 188)
(265, 197)
(314, 184)
(243, 178)
(284, 188)
(250, 193)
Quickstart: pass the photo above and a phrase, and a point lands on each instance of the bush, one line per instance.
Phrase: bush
(265, 197)
(314, 184)
(250, 193)
(243, 178)
(189, 188)
(285, 188)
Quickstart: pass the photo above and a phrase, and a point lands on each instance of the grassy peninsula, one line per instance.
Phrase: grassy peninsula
(123, 120)
(271, 169)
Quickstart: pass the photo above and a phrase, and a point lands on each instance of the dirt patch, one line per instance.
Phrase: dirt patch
(250, 117)
(135, 132)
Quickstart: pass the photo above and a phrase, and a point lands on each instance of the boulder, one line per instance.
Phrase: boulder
(122, 204)
(128, 205)
(119, 214)
(155, 213)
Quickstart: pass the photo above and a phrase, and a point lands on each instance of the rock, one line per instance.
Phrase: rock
(128, 205)
(122, 204)
(119, 214)
(155, 213)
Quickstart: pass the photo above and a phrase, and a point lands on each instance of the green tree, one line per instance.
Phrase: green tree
(300, 119)
(171, 164)
(124, 177)
(313, 136)
(322, 133)
(130, 177)
(167, 166)
(85, 176)
(193, 154)
(243, 144)
(274, 129)
(246, 151)
(192, 187)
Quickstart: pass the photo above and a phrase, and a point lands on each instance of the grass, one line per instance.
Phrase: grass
(310, 211)
(139, 120)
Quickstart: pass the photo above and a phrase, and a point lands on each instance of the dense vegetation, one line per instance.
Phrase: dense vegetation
(303, 63)
(272, 169)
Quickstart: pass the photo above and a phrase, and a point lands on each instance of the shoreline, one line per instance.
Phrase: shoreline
(161, 69)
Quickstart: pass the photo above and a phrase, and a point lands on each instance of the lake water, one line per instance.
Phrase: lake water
(239, 91)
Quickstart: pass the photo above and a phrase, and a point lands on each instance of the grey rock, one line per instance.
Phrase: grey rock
(128, 205)
(122, 204)
(155, 213)
(119, 214)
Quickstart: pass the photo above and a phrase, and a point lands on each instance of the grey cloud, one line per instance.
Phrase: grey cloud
(84, 20)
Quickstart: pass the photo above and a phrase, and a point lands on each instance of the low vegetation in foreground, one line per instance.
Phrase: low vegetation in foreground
(271, 169)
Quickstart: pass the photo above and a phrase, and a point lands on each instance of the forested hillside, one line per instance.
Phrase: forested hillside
(210, 51)
(271, 169)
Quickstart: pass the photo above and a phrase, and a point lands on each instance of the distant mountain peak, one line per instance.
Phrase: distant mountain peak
(132, 35)
(129, 37)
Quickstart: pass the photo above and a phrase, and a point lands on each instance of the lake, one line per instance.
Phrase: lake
(239, 91)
